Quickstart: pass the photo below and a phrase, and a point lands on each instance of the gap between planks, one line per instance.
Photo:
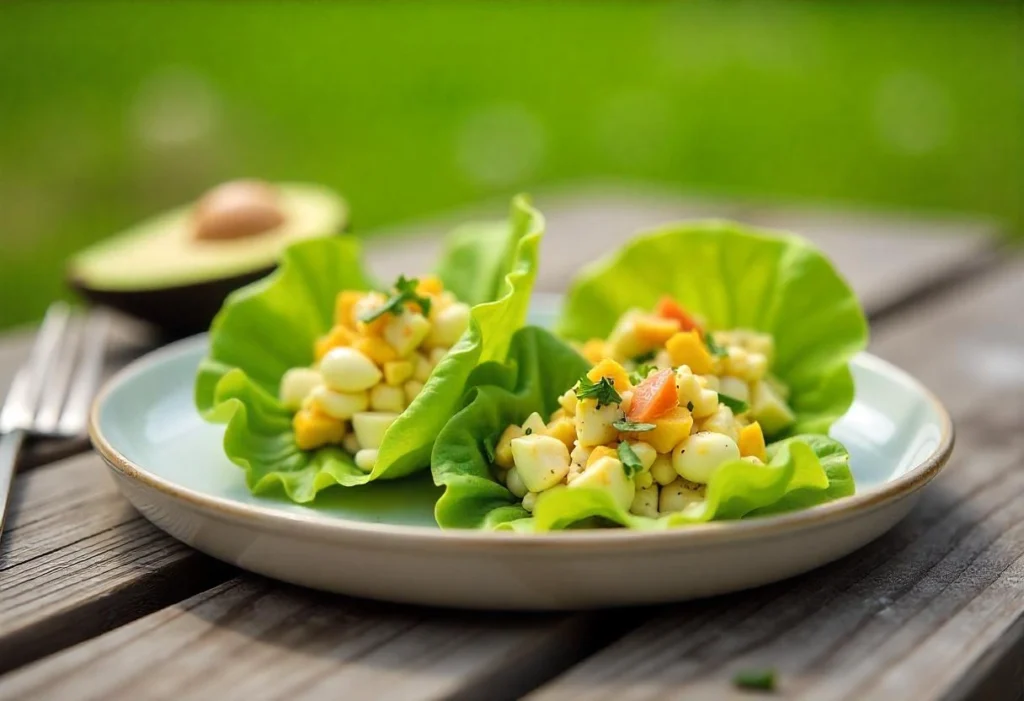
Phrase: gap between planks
(253, 638)
(77, 560)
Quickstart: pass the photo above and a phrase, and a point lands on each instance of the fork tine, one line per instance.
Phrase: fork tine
(90, 369)
(57, 381)
(20, 407)
(14, 414)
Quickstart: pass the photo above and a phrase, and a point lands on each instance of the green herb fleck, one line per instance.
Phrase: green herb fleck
(490, 446)
(603, 391)
(689, 406)
(713, 347)
(632, 427)
(641, 373)
(630, 462)
(529, 431)
(405, 291)
(738, 406)
(759, 679)
(644, 358)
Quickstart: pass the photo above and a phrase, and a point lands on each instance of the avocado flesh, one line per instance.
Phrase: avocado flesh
(158, 272)
(163, 251)
(769, 409)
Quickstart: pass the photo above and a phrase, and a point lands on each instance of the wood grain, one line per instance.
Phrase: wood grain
(251, 638)
(76, 560)
(926, 612)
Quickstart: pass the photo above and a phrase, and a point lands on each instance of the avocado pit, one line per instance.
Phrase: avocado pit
(237, 209)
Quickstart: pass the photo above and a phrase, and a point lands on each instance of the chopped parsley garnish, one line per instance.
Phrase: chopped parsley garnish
(758, 679)
(630, 462)
(641, 373)
(738, 406)
(405, 291)
(713, 347)
(632, 426)
(603, 391)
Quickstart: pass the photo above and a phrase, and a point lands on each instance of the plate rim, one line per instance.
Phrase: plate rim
(369, 534)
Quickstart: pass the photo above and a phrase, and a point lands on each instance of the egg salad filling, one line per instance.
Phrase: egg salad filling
(665, 404)
(371, 365)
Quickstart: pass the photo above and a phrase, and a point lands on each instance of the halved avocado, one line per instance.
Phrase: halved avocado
(175, 269)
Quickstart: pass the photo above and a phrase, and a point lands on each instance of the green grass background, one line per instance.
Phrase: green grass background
(110, 111)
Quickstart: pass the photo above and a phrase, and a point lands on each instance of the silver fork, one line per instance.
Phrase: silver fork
(51, 393)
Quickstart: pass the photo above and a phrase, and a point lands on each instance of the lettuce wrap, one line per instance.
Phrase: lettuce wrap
(801, 471)
(271, 325)
(737, 277)
(731, 277)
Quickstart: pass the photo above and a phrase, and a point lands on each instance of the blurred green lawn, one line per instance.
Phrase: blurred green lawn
(109, 111)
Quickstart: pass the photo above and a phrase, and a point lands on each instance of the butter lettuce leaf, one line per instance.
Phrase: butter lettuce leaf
(271, 325)
(473, 259)
(500, 394)
(801, 470)
(736, 277)
(794, 477)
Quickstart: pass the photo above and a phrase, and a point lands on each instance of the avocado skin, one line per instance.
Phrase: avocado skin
(176, 312)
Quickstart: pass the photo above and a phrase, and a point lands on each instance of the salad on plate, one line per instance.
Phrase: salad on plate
(372, 365)
(693, 376)
(324, 377)
(651, 430)
(696, 377)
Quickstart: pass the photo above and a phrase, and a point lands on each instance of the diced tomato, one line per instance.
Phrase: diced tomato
(654, 397)
(668, 308)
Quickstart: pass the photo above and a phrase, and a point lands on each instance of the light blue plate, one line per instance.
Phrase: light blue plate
(170, 464)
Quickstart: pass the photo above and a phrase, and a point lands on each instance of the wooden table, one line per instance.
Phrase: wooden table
(95, 603)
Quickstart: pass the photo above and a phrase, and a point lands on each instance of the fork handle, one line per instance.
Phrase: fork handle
(10, 444)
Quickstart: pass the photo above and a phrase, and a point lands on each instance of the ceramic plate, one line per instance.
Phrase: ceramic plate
(380, 541)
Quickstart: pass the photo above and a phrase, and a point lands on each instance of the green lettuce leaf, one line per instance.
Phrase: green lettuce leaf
(473, 259)
(794, 477)
(836, 462)
(801, 470)
(272, 325)
(499, 395)
(735, 277)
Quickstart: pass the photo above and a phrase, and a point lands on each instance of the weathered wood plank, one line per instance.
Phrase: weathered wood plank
(886, 256)
(582, 225)
(889, 256)
(927, 611)
(77, 560)
(252, 638)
